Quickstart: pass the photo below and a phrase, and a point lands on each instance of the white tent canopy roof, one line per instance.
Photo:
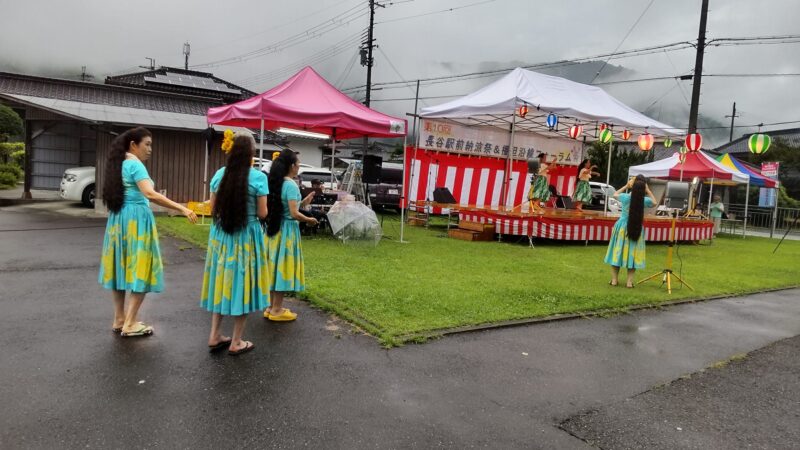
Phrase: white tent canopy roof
(548, 94)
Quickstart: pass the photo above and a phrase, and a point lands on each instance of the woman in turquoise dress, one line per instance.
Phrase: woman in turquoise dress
(131, 259)
(283, 231)
(583, 192)
(627, 246)
(236, 277)
(540, 189)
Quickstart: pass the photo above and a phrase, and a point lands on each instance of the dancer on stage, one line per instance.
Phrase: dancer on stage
(583, 192)
(626, 248)
(236, 278)
(540, 191)
(131, 258)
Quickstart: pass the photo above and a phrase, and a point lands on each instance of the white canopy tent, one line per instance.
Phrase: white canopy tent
(498, 105)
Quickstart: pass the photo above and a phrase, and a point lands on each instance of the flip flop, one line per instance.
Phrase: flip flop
(247, 347)
(142, 331)
(612, 284)
(116, 330)
(220, 345)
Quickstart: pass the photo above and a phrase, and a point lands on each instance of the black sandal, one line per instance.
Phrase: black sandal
(219, 346)
(249, 346)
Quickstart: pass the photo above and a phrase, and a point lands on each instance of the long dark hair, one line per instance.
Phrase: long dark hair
(230, 206)
(581, 166)
(113, 190)
(280, 168)
(636, 211)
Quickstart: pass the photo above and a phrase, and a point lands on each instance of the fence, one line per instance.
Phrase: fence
(760, 218)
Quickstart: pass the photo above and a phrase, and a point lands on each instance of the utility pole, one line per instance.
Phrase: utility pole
(698, 68)
(732, 116)
(367, 60)
(186, 51)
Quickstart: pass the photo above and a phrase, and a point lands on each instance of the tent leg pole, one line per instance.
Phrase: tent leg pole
(261, 147)
(774, 215)
(508, 160)
(608, 176)
(333, 157)
(710, 196)
(403, 193)
(746, 204)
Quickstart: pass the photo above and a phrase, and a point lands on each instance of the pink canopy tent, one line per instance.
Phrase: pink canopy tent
(307, 102)
(697, 164)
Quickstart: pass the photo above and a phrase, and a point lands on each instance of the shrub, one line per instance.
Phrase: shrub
(7, 180)
(13, 170)
(18, 158)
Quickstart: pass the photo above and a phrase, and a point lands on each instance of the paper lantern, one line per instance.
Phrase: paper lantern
(682, 154)
(646, 142)
(667, 143)
(606, 136)
(759, 143)
(552, 120)
(602, 127)
(694, 142)
(626, 135)
(575, 131)
(523, 111)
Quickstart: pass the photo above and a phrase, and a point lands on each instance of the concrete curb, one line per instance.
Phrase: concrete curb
(559, 317)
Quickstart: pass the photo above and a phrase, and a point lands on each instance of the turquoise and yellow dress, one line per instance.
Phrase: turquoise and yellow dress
(540, 189)
(131, 258)
(622, 252)
(236, 277)
(583, 191)
(285, 251)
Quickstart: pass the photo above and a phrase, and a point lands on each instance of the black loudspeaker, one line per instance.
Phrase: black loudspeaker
(372, 169)
(443, 195)
(677, 195)
(564, 201)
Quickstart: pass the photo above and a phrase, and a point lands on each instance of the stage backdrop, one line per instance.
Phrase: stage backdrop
(475, 180)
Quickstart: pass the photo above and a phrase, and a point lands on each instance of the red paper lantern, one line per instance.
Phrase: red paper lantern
(575, 131)
(694, 142)
(626, 135)
(602, 127)
(523, 111)
(646, 142)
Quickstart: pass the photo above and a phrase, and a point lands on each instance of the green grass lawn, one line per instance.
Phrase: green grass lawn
(400, 292)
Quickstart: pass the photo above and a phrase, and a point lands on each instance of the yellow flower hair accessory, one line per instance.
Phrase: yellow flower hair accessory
(275, 155)
(227, 141)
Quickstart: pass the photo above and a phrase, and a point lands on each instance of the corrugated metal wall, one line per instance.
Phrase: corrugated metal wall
(57, 146)
(176, 164)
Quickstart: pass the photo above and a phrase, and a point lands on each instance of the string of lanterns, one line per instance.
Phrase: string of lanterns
(758, 143)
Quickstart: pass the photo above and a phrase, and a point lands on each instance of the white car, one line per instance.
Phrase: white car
(77, 185)
(599, 191)
(306, 174)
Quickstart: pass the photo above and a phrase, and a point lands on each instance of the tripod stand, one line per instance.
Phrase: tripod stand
(667, 274)
(791, 225)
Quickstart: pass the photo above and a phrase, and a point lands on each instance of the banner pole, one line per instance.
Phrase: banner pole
(746, 204)
(507, 180)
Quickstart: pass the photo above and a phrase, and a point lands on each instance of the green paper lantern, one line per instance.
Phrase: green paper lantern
(682, 154)
(606, 136)
(667, 143)
(759, 143)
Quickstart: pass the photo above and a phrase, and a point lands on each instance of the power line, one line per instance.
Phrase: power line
(623, 40)
(329, 25)
(395, 69)
(346, 72)
(435, 12)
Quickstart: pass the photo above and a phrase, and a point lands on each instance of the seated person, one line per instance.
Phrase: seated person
(306, 206)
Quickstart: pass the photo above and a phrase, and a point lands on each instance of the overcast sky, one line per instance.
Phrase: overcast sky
(58, 37)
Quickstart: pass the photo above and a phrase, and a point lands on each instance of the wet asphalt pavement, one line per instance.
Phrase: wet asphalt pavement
(67, 382)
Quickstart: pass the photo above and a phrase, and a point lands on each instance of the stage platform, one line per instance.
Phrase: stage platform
(568, 224)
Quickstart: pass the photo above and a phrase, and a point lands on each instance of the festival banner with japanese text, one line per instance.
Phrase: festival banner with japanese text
(446, 136)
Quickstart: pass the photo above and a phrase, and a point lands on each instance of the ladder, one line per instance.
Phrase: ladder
(352, 184)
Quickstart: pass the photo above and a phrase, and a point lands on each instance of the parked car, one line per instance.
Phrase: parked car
(386, 194)
(77, 184)
(599, 191)
(264, 164)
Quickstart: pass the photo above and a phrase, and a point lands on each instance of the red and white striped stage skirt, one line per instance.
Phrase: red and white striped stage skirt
(588, 226)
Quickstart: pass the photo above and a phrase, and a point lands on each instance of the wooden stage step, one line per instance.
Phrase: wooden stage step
(476, 226)
(470, 235)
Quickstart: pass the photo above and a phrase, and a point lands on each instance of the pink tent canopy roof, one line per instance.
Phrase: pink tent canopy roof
(697, 164)
(308, 102)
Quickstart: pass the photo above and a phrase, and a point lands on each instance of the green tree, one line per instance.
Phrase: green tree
(621, 160)
(10, 123)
